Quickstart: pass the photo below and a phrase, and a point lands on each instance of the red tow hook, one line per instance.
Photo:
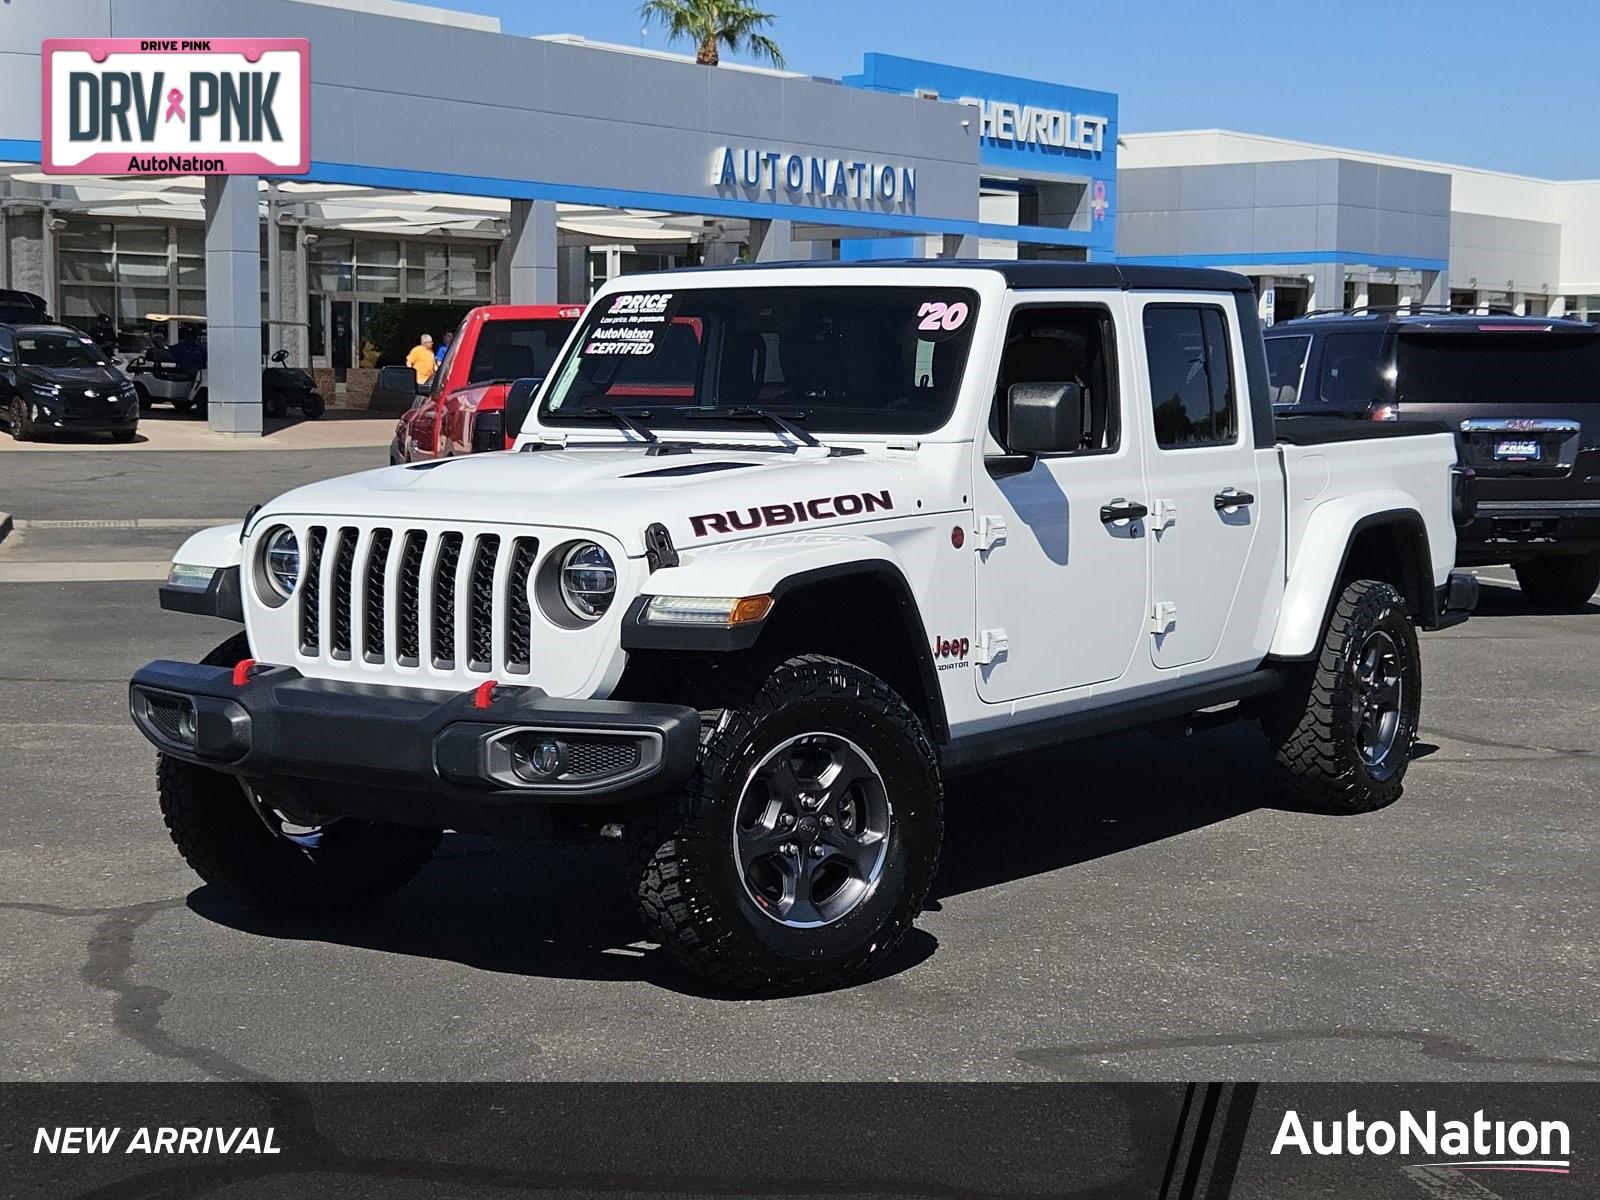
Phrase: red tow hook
(242, 671)
(484, 695)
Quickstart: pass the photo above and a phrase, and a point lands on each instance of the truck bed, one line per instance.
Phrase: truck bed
(1312, 430)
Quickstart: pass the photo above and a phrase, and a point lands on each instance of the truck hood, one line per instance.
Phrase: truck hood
(704, 496)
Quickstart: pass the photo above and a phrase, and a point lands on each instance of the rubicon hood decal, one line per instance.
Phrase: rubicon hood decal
(822, 508)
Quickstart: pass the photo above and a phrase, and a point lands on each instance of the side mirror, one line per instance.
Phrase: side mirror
(519, 403)
(399, 380)
(1046, 418)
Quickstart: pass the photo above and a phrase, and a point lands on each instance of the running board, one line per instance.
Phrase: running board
(979, 749)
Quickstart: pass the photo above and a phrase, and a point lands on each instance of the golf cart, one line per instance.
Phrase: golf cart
(179, 378)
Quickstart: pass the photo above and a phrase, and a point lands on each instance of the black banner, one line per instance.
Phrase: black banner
(793, 1139)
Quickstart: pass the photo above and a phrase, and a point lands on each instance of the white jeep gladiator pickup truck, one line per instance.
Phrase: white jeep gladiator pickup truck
(779, 549)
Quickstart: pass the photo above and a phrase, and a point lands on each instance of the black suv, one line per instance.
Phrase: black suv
(1522, 395)
(55, 379)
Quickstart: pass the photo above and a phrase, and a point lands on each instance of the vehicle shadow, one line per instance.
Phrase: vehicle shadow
(1505, 600)
(564, 911)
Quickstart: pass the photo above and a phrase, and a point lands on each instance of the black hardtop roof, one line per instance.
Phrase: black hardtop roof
(1025, 274)
(1385, 319)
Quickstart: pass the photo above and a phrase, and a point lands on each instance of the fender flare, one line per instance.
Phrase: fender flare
(1310, 591)
(220, 548)
(778, 575)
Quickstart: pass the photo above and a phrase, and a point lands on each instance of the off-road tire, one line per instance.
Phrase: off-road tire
(274, 406)
(221, 836)
(1560, 581)
(145, 402)
(313, 406)
(1311, 722)
(689, 890)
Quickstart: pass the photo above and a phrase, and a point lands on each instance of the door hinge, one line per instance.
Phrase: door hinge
(992, 644)
(1162, 514)
(991, 531)
(1163, 617)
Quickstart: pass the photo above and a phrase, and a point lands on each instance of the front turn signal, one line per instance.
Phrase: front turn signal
(724, 611)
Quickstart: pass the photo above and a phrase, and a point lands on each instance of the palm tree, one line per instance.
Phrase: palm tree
(713, 24)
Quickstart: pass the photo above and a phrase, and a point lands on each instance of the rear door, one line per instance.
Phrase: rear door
(1210, 573)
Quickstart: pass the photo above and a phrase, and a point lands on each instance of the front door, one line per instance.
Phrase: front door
(1063, 578)
(1206, 499)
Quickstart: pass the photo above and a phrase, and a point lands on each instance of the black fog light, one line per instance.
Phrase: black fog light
(537, 758)
(188, 724)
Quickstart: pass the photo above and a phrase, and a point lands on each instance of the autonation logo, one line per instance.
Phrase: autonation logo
(1480, 1144)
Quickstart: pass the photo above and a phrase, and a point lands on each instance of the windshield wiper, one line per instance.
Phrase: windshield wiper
(780, 423)
(623, 420)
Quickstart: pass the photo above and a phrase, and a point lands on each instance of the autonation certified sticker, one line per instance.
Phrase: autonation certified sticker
(199, 106)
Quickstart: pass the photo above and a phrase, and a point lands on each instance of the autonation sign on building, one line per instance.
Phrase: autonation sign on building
(204, 106)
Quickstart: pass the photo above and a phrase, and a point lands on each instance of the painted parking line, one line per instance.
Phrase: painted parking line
(127, 523)
(82, 572)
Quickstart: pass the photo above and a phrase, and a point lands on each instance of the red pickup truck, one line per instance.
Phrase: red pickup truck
(496, 344)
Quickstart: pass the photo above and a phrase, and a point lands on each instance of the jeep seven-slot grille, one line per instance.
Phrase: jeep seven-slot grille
(444, 601)
(372, 610)
(344, 561)
(480, 617)
(519, 617)
(458, 601)
(408, 614)
(311, 593)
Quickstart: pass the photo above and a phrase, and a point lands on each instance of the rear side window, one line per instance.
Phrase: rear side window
(1191, 376)
(517, 349)
(1350, 373)
(1286, 363)
(1499, 368)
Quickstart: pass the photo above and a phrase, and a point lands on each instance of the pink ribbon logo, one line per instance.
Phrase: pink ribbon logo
(175, 105)
(1100, 205)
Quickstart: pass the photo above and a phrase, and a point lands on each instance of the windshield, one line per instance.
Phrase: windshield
(517, 349)
(58, 350)
(831, 359)
(1500, 367)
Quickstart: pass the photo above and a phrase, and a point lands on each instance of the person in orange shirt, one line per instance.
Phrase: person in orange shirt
(421, 360)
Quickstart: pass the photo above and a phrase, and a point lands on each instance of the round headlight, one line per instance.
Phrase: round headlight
(588, 581)
(280, 561)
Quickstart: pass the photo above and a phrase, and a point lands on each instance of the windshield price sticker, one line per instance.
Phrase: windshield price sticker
(632, 325)
(938, 319)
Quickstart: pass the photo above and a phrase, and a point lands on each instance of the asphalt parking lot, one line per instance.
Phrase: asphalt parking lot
(1132, 908)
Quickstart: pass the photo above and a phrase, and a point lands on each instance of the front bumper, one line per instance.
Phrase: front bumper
(93, 415)
(447, 759)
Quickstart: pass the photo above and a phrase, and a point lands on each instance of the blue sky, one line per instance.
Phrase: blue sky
(1512, 86)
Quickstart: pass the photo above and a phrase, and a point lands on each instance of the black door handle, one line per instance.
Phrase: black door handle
(1122, 510)
(1232, 498)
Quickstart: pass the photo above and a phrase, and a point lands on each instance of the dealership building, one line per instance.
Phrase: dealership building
(450, 161)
